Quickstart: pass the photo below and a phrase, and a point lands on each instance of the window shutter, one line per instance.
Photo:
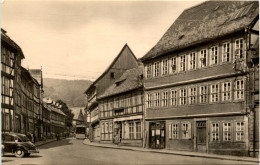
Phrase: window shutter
(170, 131)
(189, 130)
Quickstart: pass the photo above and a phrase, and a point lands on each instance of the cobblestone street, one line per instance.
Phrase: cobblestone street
(72, 151)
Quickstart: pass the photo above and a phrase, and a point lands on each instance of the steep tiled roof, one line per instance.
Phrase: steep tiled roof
(203, 23)
(37, 74)
(76, 111)
(9, 41)
(128, 81)
(110, 66)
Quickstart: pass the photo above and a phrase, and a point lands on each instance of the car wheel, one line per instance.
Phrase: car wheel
(27, 154)
(19, 153)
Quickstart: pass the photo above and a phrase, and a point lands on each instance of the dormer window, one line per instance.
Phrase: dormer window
(112, 75)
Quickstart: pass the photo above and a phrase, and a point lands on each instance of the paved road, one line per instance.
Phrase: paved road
(72, 152)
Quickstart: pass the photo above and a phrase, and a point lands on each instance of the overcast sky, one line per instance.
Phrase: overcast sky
(79, 39)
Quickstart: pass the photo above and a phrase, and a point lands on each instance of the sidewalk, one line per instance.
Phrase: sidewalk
(183, 153)
(40, 143)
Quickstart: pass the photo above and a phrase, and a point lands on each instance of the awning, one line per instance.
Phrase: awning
(128, 118)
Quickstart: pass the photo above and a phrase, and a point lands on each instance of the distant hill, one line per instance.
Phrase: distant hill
(69, 91)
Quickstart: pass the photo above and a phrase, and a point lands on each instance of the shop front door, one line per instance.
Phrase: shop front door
(157, 135)
(201, 136)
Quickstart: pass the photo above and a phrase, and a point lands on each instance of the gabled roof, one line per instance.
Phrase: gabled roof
(25, 71)
(205, 22)
(37, 74)
(77, 111)
(111, 65)
(9, 41)
(130, 80)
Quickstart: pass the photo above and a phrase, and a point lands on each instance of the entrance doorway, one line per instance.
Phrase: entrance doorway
(201, 136)
(157, 135)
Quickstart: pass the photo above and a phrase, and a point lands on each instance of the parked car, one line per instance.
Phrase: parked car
(18, 144)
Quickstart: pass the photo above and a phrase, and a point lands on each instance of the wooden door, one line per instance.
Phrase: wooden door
(157, 135)
(201, 136)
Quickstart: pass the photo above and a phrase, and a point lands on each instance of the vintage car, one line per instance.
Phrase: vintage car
(18, 144)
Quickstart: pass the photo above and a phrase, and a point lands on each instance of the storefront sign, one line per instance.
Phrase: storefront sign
(128, 118)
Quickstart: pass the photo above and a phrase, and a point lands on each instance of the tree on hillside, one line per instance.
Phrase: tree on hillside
(69, 115)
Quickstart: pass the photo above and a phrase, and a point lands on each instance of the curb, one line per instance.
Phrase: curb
(170, 153)
(47, 142)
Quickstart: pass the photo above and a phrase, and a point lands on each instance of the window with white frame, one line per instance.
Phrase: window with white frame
(240, 131)
(149, 71)
(173, 131)
(173, 65)
(192, 95)
(156, 69)
(226, 131)
(239, 89)
(226, 52)
(165, 99)
(192, 63)
(157, 99)
(186, 130)
(214, 55)
(165, 66)
(149, 100)
(215, 132)
(214, 93)
(183, 96)
(203, 58)
(226, 91)
(203, 94)
(239, 48)
(138, 130)
(174, 98)
(131, 130)
(182, 63)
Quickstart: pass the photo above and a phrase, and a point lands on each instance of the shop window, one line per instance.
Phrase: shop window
(215, 132)
(226, 52)
(203, 94)
(131, 130)
(165, 99)
(138, 130)
(174, 98)
(192, 63)
(186, 130)
(214, 93)
(214, 55)
(240, 131)
(192, 95)
(226, 91)
(226, 131)
(165, 66)
(183, 96)
(239, 89)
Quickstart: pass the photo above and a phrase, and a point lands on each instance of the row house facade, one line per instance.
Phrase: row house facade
(197, 92)
(124, 60)
(57, 118)
(11, 56)
(121, 110)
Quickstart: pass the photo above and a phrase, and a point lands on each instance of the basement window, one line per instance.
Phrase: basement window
(112, 75)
